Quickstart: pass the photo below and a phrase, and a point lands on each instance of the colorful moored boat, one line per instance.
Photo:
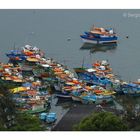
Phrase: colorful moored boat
(99, 36)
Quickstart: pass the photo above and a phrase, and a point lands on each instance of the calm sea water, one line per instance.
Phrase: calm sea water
(50, 29)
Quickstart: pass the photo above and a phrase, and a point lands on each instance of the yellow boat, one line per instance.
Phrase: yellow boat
(6, 78)
(106, 92)
(30, 59)
(18, 80)
(18, 89)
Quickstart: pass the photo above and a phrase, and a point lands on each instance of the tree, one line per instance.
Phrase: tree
(26, 122)
(131, 113)
(103, 121)
(10, 118)
(7, 108)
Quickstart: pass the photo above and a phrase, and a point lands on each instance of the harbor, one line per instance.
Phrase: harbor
(39, 83)
(80, 72)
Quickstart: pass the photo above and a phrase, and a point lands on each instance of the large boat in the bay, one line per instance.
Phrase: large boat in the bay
(99, 36)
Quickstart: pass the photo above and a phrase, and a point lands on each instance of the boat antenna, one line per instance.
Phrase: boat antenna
(92, 27)
(14, 46)
(114, 30)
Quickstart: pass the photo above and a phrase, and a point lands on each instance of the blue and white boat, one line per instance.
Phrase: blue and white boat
(16, 55)
(103, 99)
(63, 94)
(76, 95)
(97, 99)
(99, 36)
(131, 89)
(88, 98)
(92, 78)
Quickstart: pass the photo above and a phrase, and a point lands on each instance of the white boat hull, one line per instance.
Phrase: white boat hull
(74, 98)
(63, 96)
(97, 42)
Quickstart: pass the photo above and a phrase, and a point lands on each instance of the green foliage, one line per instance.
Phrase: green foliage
(10, 119)
(27, 122)
(103, 121)
(7, 107)
(2, 126)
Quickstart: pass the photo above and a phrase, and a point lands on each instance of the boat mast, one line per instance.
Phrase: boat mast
(14, 47)
(92, 28)
(83, 62)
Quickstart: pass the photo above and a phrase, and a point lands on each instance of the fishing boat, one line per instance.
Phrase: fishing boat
(16, 55)
(63, 94)
(65, 90)
(99, 73)
(87, 97)
(97, 99)
(94, 79)
(82, 96)
(99, 36)
(137, 82)
(32, 59)
(103, 99)
(76, 95)
(131, 89)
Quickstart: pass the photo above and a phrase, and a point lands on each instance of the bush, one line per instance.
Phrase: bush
(103, 121)
(27, 122)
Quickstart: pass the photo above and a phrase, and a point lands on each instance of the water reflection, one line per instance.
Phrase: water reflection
(99, 47)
